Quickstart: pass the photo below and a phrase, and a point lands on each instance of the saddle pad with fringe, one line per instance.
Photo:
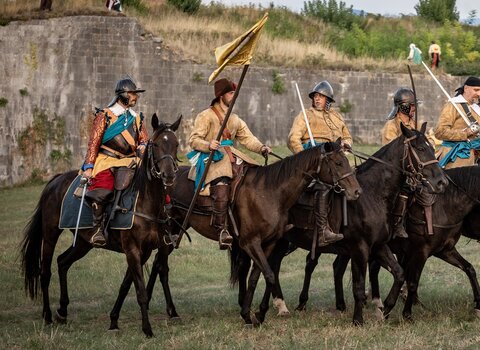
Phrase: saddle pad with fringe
(71, 205)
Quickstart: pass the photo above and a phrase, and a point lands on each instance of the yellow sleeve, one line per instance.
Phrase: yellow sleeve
(197, 140)
(299, 128)
(388, 132)
(445, 130)
(246, 138)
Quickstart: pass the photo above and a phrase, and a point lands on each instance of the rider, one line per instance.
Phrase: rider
(403, 112)
(460, 144)
(326, 125)
(117, 139)
(202, 141)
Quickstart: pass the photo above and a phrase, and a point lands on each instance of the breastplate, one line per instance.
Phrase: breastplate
(119, 144)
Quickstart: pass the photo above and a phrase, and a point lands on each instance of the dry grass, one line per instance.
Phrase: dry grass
(195, 37)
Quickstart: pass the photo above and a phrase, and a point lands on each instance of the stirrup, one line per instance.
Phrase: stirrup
(335, 237)
(170, 239)
(225, 240)
(98, 240)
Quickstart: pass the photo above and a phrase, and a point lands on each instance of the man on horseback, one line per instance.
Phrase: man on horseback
(326, 125)
(403, 112)
(202, 141)
(461, 142)
(117, 139)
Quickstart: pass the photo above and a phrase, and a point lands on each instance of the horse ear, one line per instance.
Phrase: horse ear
(175, 125)
(154, 121)
(405, 131)
(423, 128)
(339, 141)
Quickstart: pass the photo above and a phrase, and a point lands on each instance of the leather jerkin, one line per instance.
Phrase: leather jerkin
(226, 134)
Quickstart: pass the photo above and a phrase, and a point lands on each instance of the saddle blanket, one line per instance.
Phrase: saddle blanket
(71, 204)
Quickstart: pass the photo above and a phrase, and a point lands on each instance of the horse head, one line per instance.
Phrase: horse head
(336, 170)
(419, 162)
(162, 151)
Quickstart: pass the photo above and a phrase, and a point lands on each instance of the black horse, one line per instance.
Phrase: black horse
(158, 169)
(261, 209)
(456, 211)
(408, 158)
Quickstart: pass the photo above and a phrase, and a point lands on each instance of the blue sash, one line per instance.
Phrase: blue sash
(202, 157)
(309, 144)
(122, 123)
(459, 149)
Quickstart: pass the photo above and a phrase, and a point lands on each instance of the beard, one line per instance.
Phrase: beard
(225, 101)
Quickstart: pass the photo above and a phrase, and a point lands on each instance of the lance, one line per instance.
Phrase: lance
(414, 96)
(471, 125)
(312, 140)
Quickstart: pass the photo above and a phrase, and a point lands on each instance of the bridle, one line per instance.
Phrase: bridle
(337, 188)
(154, 164)
(414, 174)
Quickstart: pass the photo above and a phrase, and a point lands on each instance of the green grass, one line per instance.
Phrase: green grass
(208, 305)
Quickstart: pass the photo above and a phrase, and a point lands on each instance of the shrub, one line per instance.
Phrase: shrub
(187, 6)
(3, 102)
(278, 86)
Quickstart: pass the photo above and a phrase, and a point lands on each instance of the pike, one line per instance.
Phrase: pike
(312, 140)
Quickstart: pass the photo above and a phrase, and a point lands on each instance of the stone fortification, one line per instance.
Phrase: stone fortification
(56, 71)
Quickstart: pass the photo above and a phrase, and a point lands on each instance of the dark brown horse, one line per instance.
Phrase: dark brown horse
(158, 169)
(455, 212)
(408, 158)
(261, 207)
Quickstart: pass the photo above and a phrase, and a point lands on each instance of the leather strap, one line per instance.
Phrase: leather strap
(115, 154)
(429, 220)
(468, 112)
(227, 135)
(126, 135)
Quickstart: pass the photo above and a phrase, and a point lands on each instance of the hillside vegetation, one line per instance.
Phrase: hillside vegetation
(308, 40)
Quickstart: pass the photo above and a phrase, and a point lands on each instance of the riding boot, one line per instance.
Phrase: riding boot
(398, 216)
(220, 194)
(324, 233)
(98, 199)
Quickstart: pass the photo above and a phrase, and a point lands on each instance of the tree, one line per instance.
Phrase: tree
(472, 16)
(437, 10)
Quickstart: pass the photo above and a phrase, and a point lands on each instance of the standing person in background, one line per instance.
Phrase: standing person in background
(115, 5)
(434, 52)
(326, 125)
(415, 55)
(46, 5)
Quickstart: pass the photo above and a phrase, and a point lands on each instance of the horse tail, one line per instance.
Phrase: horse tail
(31, 247)
(236, 256)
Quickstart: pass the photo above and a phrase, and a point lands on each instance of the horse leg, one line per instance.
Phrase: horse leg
(413, 271)
(454, 258)
(373, 272)
(339, 267)
(387, 260)
(275, 261)
(153, 277)
(48, 248)
(162, 254)
(122, 294)
(359, 270)
(135, 267)
(244, 268)
(64, 261)
(310, 265)
(247, 301)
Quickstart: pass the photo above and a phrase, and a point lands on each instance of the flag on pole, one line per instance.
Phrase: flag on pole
(240, 51)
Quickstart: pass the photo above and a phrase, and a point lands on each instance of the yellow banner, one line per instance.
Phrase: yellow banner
(239, 52)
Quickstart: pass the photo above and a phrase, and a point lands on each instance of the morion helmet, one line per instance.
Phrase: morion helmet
(403, 99)
(324, 88)
(122, 88)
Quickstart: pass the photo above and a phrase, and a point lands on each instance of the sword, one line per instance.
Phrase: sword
(471, 125)
(305, 117)
(83, 183)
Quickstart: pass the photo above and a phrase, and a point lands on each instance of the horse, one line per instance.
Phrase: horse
(260, 210)
(454, 213)
(407, 158)
(157, 170)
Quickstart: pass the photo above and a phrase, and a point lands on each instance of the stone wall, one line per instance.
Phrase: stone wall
(56, 71)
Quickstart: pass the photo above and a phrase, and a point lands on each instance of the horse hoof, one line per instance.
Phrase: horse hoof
(280, 305)
(60, 319)
(379, 314)
(301, 308)
(148, 333)
(477, 313)
(283, 313)
(255, 321)
(377, 302)
(175, 320)
(114, 330)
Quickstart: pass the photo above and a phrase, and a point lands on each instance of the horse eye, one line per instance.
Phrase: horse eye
(338, 163)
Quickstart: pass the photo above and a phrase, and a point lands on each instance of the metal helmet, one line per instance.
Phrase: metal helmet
(122, 88)
(403, 99)
(324, 88)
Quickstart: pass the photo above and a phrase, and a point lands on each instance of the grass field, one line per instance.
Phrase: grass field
(210, 314)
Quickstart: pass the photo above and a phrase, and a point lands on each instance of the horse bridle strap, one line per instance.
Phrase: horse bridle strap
(153, 163)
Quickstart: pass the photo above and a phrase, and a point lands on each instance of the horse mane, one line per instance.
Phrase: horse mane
(386, 149)
(467, 178)
(140, 179)
(283, 170)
